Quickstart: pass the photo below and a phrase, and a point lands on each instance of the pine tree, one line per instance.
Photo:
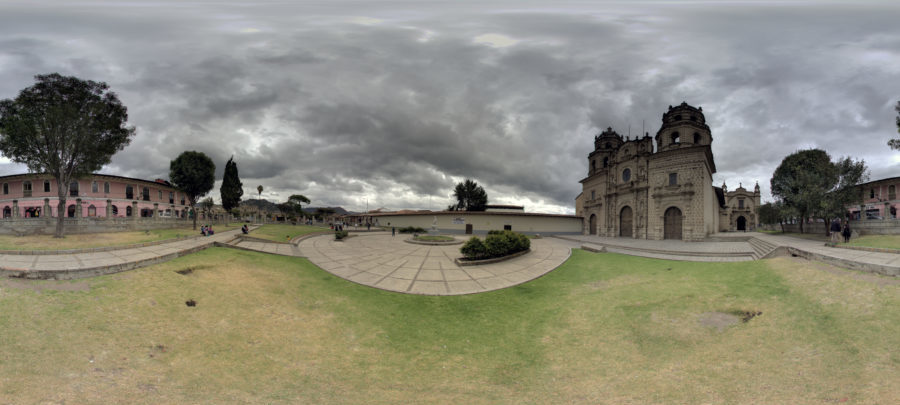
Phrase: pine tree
(232, 188)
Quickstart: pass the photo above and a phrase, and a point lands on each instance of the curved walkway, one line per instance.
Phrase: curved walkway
(90, 264)
(386, 262)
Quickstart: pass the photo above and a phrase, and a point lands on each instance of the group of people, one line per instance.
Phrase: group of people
(206, 230)
(837, 230)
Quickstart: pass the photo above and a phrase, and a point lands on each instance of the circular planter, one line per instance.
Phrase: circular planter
(433, 243)
(464, 262)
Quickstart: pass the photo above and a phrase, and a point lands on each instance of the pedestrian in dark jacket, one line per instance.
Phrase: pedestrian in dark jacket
(846, 232)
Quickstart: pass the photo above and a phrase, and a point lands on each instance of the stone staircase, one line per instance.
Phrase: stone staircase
(762, 249)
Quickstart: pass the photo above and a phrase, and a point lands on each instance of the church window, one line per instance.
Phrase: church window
(892, 192)
(608, 146)
(94, 187)
(693, 118)
(606, 162)
(673, 179)
(593, 166)
(5, 188)
(145, 194)
(675, 137)
(26, 189)
(106, 187)
(171, 197)
(740, 203)
(46, 186)
(626, 175)
(696, 138)
(593, 194)
(871, 193)
(73, 189)
(129, 192)
(160, 195)
(678, 118)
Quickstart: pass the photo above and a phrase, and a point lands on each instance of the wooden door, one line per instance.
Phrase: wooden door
(593, 225)
(468, 229)
(673, 220)
(742, 223)
(625, 222)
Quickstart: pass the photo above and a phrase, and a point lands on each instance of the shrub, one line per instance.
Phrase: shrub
(411, 229)
(338, 235)
(473, 249)
(496, 244)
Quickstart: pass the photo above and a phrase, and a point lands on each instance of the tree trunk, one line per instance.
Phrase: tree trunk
(60, 209)
(194, 214)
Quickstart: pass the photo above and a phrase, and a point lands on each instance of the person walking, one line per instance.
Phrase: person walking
(846, 232)
(393, 231)
(835, 230)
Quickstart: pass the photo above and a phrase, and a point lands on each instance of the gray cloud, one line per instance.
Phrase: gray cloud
(395, 102)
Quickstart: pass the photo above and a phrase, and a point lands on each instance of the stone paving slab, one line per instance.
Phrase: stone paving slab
(386, 262)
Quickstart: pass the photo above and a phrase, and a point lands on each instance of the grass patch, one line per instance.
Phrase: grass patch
(603, 328)
(435, 238)
(283, 232)
(92, 240)
(876, 241)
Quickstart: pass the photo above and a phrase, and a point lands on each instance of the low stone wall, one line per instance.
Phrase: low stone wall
(47, 226)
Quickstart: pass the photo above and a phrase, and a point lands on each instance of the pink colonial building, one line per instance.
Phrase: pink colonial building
(879, 200)
(26, 196)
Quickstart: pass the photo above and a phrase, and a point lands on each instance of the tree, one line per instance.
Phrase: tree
(810, 185)
(296, 202)
(66, 127)
(259, 190)
(774, 213)
(194, 174)
(232, 189)
(207, 204)
(895, 143)
(470, 196)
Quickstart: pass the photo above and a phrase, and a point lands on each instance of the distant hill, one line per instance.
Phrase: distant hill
(271, 206)
(337, 210)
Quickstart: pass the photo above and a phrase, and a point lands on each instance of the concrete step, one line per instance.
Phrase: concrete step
(761, 248)
(679, 256)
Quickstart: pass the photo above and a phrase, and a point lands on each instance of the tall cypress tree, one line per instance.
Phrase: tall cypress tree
(232, 189)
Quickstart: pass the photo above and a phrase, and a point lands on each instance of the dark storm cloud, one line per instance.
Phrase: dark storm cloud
(392, 103)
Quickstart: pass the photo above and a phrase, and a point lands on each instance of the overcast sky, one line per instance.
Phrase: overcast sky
(395, 101)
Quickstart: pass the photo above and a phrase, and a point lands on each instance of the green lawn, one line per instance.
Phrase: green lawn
(603, 328)
(284, 233)
(91, 240)
(876, 241)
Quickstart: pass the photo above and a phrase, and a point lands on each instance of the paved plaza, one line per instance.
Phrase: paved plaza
(387, 262)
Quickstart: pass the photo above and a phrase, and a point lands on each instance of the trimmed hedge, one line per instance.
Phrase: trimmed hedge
(496, 244)
(411, 229)
(338, 235)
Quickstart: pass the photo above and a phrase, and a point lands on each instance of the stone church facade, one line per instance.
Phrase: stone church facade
(633, 190)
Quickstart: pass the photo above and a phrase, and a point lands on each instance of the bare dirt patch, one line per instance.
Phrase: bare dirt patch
(46, 285)
(718, 320)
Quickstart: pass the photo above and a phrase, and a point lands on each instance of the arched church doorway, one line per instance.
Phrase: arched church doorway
(672, 224)
(593, 224)
(625, 221)
(71, 211)
(742, 223)
(7, 212)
